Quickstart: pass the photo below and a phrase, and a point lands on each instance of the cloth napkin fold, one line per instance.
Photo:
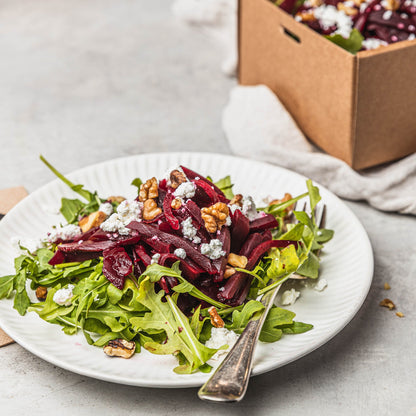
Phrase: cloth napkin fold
(8, 199)
(258, 126)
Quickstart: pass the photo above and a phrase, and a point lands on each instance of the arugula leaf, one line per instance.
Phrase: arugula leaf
(276, 317)
(21, 302)
(167, 316)
(138, 183)
(226, 186)
(353, 44)
(6, 286)
(70, 209)
(240, 319)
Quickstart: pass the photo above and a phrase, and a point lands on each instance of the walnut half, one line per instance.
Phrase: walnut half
(120, 348)
(216, 319)
(150, 210)
(176, 178)
(215, 216)
(148, 190)
(93, 220)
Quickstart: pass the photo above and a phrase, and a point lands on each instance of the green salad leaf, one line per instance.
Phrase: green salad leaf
(353, 44)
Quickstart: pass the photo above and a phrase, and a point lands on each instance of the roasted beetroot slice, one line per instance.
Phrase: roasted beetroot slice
(88, 235)
(157, 245)
(142, 254)
(183, 214)
(194, 211)
(116, 266)
(87, 246)
(167, 209)
(263, 223)
(239, 230)
(250, 244)
(288, 6)
(189, 272)
(193, 175)
(219, 264)
(57, 258)
(149, 231)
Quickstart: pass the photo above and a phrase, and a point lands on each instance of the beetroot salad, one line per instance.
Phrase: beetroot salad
(176, 270)
(357, 24)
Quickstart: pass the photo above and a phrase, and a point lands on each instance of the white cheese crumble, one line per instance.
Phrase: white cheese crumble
(387, 15)
(329, 16)
(127, 212)
(289, 297)
(107, 208)
(412, 36)
(189, 231)
(67, 232)
(249, 208)
(220, 337)
(228, 221)
(373, 43)
(180, 252)
(185, 190)
(155, 258)
(63, 296)
(213, 250)
(321, 284)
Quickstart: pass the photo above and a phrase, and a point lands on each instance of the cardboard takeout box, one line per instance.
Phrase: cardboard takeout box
(360, 108)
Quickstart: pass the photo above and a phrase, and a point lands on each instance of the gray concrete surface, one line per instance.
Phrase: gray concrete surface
(87, 81)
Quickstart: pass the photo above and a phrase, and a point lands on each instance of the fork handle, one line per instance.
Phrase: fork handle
(230, 380)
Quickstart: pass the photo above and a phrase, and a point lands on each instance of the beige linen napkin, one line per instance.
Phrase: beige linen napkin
(8, 199)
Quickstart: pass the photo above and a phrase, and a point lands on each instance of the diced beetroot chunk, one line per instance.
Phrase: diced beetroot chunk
(239, 230)
(87, 246)
(158, 245)
(142, 254)
(205, 195)
(116, 266)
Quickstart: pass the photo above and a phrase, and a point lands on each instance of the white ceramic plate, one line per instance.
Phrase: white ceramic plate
(347, 265)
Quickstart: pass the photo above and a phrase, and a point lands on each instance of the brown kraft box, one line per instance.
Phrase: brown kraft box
(359, 108)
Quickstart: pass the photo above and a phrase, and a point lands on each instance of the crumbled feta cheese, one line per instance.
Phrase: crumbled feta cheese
(63, 296)
(67, 232)
(411, 37)
(220, 337)
(155, 258)
(387, 15)
(31, 244)
(228, 221)
(107, 208)
(289, 297)
(249, 208)
(189, 231)
(213, 250)
(329, 16)
(321, 284)
(373, 43)
(233, 208)
(185, 190)
(127, 212)
(180, 252)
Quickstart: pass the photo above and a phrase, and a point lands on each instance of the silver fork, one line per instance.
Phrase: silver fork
(229, 382)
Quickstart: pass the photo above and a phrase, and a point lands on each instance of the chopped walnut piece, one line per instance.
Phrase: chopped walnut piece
(306, 16)
(229, 271)
(41, 293)
(358, 2)
(215, 216)
(237, 200)
(400, 314)
(120, 348)
(316, 3)
(392, 5)
(93, 220)
(148, 190)
(349, 11)
(216, 319)
(176, 203)
(150, 210)
(176, 178)
(118, 199)
(387, 303)
(237, 261)
(386, 286)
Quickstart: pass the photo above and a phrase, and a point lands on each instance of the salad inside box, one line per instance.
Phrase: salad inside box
(356, 24)
(181, 264)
